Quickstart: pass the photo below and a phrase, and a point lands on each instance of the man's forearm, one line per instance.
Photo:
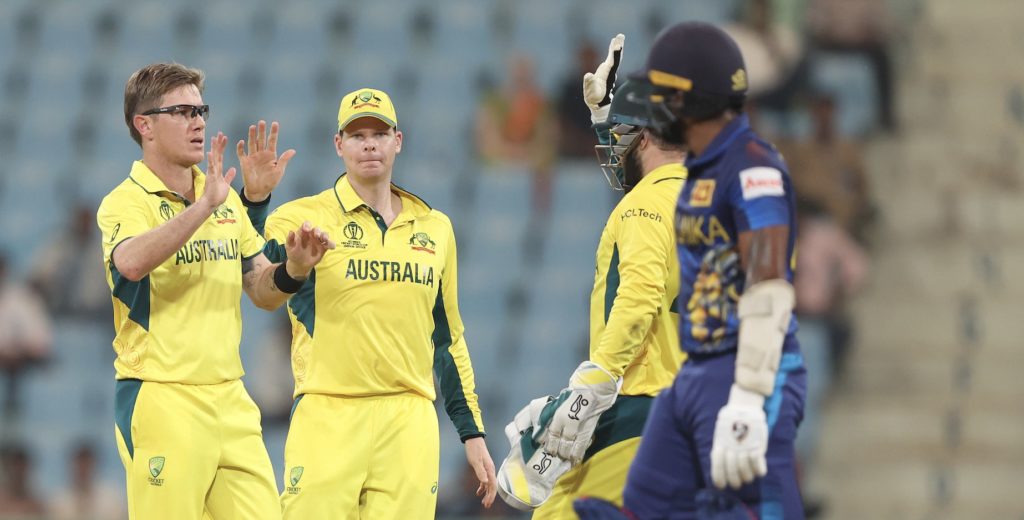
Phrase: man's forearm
(138, 256)
(258, 282)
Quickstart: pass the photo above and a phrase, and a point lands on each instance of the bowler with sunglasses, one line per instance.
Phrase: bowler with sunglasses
(179, 250)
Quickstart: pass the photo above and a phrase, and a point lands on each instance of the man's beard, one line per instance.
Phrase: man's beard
(632, 170)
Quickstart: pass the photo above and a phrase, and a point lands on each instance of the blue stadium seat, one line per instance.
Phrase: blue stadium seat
(850, 79)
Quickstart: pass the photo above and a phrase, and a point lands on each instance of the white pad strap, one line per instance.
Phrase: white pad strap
(765, 310)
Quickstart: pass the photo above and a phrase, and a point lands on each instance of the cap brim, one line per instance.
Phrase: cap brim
(374, 115)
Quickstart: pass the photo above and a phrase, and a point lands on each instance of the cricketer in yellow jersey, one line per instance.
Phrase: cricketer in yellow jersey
(633, 316)
(179, 250)
(374, 318)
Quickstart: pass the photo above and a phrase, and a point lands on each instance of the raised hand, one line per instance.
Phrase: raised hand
(262, 169)
(598, 85)
(218, 184)
(306, 246)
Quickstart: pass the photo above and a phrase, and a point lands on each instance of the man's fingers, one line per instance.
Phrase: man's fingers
(272, 141)
(261, 136)
(718, 468)
(290, 241)
(285, 157)
(745, 467)
(732, 474)
(617, 42)
(252, 139)
(760, 465)
(240, 149)
(230, 176)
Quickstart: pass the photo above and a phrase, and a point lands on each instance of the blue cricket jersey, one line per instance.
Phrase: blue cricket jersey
(740, 183)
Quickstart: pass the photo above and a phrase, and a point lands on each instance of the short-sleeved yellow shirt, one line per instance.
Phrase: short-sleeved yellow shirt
(182, 322)
(381, 310)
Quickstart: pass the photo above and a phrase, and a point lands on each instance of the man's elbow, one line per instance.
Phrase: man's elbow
(267, 305)
(130, 270)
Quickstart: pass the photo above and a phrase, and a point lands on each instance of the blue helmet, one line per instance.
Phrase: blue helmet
(697, 72)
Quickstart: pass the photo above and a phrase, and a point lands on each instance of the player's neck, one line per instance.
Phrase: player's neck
(176, 177)
(699, 135)
(660, 158)
(377, 195)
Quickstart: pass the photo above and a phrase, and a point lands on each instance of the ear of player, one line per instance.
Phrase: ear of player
(598, 85)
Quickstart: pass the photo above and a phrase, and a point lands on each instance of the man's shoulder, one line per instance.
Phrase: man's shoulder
(755, 152)
(304, 205)
(127, 191)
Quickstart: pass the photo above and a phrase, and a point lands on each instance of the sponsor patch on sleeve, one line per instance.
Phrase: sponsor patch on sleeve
(761, 181)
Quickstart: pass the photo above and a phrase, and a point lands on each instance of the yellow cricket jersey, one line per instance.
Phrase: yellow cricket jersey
(633, 316)
(182, 322)
(380, 310)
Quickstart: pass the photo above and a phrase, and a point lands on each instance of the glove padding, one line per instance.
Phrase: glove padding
(529, 473)
(740, 441)
(598, 85)
(592, 390)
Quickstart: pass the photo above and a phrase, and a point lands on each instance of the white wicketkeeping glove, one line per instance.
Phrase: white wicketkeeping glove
(598, 85)
(529, 473)
(592, 390)
(741, 440)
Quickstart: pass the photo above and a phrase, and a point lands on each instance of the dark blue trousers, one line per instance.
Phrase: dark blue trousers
(673, 463)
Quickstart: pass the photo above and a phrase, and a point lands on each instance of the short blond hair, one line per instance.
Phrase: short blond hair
(147, 85)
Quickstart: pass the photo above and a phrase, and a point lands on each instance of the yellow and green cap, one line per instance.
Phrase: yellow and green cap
(366, 102)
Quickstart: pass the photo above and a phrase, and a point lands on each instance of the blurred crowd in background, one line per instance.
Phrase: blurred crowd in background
(497, 115)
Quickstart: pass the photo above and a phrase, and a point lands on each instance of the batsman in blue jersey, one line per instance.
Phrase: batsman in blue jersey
(719, 442)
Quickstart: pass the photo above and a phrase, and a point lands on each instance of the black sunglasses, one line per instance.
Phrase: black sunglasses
(191, 110)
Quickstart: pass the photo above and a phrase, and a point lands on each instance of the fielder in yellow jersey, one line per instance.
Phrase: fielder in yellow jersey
(179, 250)
(633, 316)
(374, 318)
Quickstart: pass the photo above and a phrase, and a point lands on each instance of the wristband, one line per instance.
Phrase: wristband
(284, 281)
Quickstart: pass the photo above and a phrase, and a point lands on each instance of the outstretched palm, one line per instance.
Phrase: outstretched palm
(262, 169)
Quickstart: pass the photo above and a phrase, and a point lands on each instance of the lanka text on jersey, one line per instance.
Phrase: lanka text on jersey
(739, 183)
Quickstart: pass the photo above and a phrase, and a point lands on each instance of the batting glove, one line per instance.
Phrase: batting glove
(592, 390)
(598, 85)
(740, 441)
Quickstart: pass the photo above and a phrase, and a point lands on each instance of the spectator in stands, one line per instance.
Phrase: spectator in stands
(857, 27)
(514, 127)
(828, 169)
(576, 136)
(86, 498)
(831, 266)
(25, 335)
(17, 499)
(773, 53)
(65, 278)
